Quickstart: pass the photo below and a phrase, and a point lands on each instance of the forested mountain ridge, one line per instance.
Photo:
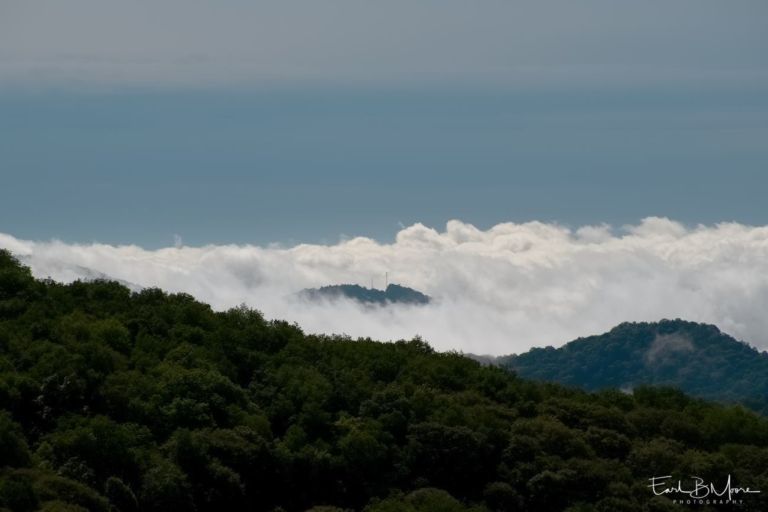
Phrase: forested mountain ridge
(119, 401)
(392, 294)
(697, 358)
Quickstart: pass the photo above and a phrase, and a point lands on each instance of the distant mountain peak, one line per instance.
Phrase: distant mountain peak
(393, 294)
(696, 358)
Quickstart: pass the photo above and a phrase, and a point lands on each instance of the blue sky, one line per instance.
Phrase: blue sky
(300, 122)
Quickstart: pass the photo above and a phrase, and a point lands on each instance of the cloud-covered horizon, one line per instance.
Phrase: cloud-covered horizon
(497, 291)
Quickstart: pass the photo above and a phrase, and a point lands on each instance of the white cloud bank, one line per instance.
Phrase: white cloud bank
(497, 291)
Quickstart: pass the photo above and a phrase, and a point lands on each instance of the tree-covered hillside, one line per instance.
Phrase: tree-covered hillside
(697, 358)
(120, 401)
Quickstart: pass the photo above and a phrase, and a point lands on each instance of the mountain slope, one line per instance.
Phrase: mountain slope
(112, 401)
(697, 358)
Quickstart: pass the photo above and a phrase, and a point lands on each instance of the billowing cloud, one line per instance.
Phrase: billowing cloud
(498, 291)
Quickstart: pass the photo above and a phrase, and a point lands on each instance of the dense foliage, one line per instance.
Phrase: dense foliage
(696, 358)
(120, 401)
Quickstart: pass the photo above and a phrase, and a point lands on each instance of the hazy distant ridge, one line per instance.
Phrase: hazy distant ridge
(696, 358)
(394, 293)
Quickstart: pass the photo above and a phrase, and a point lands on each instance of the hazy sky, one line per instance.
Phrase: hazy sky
(291, 121)
(189, 42)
